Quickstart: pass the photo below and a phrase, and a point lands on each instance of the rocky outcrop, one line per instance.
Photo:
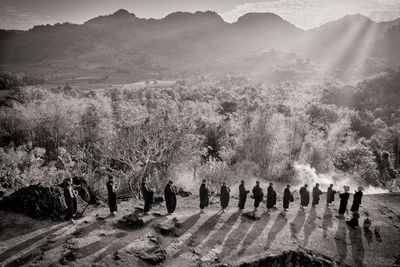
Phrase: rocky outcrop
(36, 201)
(291, 258)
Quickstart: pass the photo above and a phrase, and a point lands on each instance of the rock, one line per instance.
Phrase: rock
(151, 253)
(36, 201)
(152, 256)
(251, 215)
(131, 221)
(168, 228)
(158, 199)
(116, 257)
(139, 209)
(183, 193)
(292, 258)
(67, 258)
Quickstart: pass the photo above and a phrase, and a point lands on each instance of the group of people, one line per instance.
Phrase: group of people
(204, 193)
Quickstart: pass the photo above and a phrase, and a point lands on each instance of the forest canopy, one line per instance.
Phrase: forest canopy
(223, 132)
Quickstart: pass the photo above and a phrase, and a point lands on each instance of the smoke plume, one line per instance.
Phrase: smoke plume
(304, 173)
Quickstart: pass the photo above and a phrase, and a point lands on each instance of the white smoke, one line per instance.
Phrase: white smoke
(304, 173)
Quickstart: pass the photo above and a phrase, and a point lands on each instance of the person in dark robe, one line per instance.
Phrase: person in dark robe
(112, 195)
(287, 198)
(271, 197)
(357, 200)
(148, 194)
(304, 197)
(204, 192)
(344, 197)
(242, 195)
(353, 222)
(170, 197)
(70, 199)
(224, 198)
(330, 195)
(258, 195)
(316, 192)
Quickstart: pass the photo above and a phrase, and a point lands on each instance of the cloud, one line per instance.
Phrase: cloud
(312, 13)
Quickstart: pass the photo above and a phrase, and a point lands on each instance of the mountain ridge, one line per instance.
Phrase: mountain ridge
(197, 40)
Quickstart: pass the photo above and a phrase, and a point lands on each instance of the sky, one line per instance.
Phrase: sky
(306, 14)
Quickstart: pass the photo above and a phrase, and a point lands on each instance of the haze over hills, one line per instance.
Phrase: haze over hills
(203, 42)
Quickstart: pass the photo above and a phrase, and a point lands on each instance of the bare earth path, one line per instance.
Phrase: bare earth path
(204, 239)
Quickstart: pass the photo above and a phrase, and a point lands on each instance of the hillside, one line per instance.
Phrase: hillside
(201, 41)
(209, 239)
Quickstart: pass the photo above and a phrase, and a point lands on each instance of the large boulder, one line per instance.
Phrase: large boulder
(36, 201)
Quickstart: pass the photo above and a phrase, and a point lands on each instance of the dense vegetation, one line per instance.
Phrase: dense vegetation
(226, 131)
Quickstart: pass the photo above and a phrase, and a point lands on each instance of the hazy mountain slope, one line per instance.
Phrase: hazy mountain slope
(176, 34)
(200, 41)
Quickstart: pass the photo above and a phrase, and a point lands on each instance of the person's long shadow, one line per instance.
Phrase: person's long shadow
(340, 240)
(123, 241)
(21, 246)
(219, 236)
(278, 225)
(37, 251)
(357, 246)
(310, 225)
(236, 236)
(297, 223)
(255, 231)
(201, 233)
(187, 224)
(326, 222)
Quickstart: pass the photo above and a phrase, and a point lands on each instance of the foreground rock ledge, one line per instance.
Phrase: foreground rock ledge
(287, 259)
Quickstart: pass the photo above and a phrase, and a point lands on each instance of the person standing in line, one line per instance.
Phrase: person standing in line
(357, 200)
(225, 195)
(148, 194)
(242, 195)
(344, 197)
(170, 197)
(304, 197)
(70, 199)
(112, 195)
(287, 198)
(271, 197)
(330, 195)
(258, 195)
(203, 193)
(316, 193)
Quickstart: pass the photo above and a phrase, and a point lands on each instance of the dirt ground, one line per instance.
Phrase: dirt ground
(191, 238)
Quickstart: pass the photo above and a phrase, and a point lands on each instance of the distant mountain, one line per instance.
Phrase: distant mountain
(174, 35)
(347, 37)
(201, 40)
